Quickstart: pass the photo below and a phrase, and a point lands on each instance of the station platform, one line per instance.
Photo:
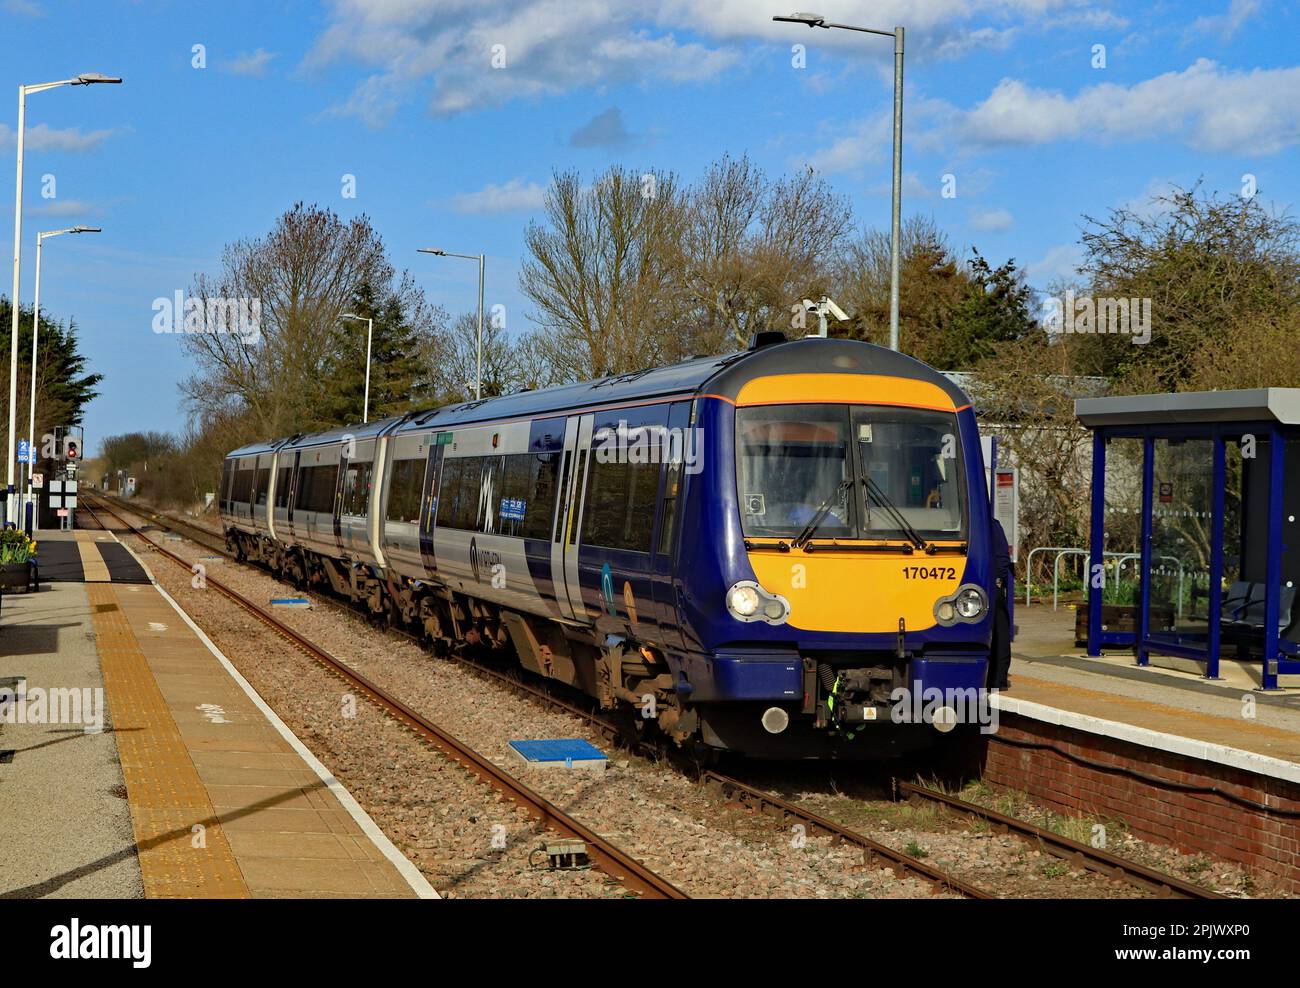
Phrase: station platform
(1172, 707)
(135, 760)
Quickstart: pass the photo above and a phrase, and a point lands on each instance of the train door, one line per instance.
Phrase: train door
(564, 550)
(677, 457)
(432, 484)
(292, 493)
(336, 516)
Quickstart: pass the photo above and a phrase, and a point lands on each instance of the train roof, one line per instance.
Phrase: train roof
(356, 431)
(723, 376)
(719, 375)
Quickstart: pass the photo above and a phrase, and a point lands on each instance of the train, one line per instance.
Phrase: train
(765, 552)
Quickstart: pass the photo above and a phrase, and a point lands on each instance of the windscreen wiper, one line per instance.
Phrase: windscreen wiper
(811, 528)
(891, 509)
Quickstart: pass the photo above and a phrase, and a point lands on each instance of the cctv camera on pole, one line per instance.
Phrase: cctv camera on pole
(826, 305)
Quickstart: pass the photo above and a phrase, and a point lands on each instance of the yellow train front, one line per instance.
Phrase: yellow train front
(836, 575)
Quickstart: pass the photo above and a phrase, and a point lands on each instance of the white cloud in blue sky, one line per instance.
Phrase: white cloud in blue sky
(514, 196)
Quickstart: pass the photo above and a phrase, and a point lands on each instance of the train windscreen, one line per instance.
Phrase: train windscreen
(861, 468)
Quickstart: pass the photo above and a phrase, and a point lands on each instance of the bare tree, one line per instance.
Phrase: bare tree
(754, 249)
(297, 280)
(602, 273)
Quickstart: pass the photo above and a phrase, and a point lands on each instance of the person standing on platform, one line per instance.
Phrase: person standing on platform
(1000, 649)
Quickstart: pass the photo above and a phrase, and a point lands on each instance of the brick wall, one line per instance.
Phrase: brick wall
(1267, 843)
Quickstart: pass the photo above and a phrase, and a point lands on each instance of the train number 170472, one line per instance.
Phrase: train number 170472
(929, 573)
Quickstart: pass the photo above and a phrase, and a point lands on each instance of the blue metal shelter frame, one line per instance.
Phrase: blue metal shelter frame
(1220, 417)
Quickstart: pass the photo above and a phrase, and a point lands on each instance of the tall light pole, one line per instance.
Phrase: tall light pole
(36, 328)
(478, 366)
(370, 329)
(895, 235)
(85, 79)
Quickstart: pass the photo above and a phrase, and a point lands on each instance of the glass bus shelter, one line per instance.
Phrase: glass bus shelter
(1193, 537)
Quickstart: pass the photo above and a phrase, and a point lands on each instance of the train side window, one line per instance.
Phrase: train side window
(487, 511)
(243, 492)
(526, 500)
(283, 476)
(404, 491)
(515, 494)
(356, 489)
(263, 482)
(471, 489)
(540, 508)
(316, 488)
(304, 488)
(227, 469)
(449, 491)
(620, 499)
(672, 499)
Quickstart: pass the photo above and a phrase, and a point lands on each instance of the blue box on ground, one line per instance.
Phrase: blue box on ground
(560, 753)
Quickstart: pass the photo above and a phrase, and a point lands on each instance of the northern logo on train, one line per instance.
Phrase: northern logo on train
(607, 589)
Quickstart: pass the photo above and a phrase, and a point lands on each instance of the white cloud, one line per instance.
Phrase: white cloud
(446, 47)
(43, 137)
(63, 207)
(540, 47)
(991, 220)
(1061, 261)
(253, 63)
(1206, 106)
(515, 196)
(1225, 25)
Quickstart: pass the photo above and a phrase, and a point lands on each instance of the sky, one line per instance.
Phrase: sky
(447, 118)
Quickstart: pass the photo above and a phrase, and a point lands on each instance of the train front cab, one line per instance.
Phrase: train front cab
(841, 580)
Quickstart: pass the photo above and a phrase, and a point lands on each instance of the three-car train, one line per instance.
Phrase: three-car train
(759, 552)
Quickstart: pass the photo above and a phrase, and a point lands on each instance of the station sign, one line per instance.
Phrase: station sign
(38, 480)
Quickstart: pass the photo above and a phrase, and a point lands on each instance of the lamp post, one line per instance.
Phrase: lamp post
(370, 327)
(895, 236)
(478, 363)
(85, 79)
(36, 328)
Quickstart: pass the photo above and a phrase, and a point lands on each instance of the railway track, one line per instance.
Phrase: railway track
(1081, 855)
(902, 864)
(603, 854)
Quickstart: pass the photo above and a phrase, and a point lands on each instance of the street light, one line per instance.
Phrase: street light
(895, 237)
(85, 79)
(478, 366)
(36, 326)
(370, 327)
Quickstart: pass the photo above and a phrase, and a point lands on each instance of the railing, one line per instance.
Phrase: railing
(1118, 557)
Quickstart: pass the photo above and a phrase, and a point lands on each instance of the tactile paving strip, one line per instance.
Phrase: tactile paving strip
(166, 795)
(93, 567)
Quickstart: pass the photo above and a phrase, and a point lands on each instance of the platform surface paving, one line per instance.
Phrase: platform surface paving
(221, 803)
(1050, 671)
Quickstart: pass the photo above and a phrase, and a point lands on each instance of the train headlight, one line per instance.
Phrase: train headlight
(969, 604)
(742, 600)
(747, 601)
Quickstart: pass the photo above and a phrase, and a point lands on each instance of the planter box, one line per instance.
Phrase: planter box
(17, 577)
(1120, 617)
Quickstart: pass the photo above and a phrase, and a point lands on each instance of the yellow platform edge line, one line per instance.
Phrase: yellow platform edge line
(182, 850)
